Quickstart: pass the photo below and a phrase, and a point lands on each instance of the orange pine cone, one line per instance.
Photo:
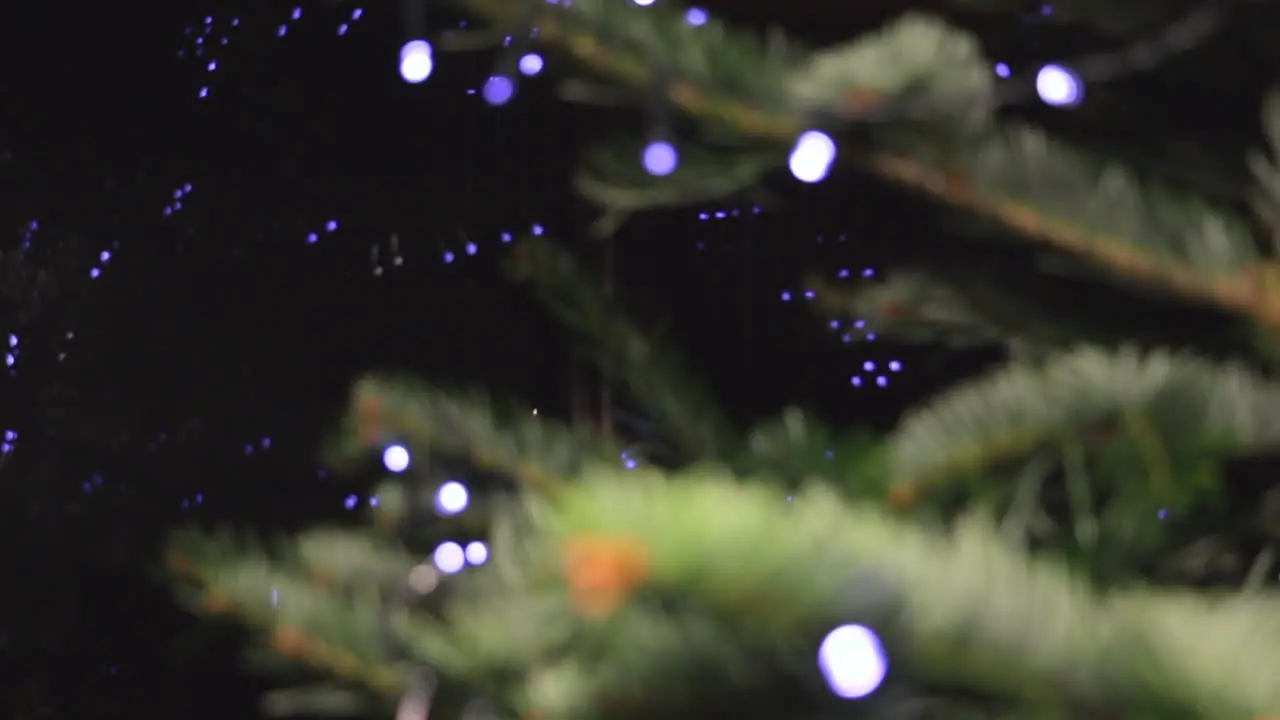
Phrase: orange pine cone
(603, 572)
(290, 642)
(384, 520)
(179, 564)
(863, 100)
(904, 496)
(216, 602)
(369, 420)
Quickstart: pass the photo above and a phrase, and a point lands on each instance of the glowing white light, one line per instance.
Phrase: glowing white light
(1059, 86)
(531, 65)
(477, 553)
(449, 558)
(812, 156)
(852, 661)
(452, 498)
(416, 61)
(395, 458)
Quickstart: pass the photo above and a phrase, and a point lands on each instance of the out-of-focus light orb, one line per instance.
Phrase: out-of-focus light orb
(395, 458)
(696, 16)
(1059, 86)
(852, 661)
(477, 553)
(416, 61)
(531, 64)
(452, 498)
(498, 90)
(660, 158)
(812, 156)
(449, 557)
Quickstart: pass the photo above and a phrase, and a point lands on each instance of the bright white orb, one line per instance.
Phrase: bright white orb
(1059, 86)
(452, 498)
(395, 458)
(449, 558)
(812, 156)
(852, 661)
(477, 553)
(416, 61)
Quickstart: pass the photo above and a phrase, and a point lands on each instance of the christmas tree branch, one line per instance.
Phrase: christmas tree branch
(1024, 306)
(306, 617)
(1033, 187)
(1175, 412)
(963, 609)
(653, 564)
(796, 448)
(535, 453)
(653, 374)
(920, 307)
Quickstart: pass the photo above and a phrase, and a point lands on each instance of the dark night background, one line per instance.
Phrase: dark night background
(189, 373)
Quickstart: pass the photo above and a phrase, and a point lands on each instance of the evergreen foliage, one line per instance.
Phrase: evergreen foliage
(1026, 545)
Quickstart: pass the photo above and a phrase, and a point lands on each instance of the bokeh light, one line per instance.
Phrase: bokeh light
(416, 61)
(395, 458)
(812, 156)
(1059, 86)
(852, 661)
(452, 498)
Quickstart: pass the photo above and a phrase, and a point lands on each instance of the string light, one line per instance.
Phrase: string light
(498, 90)
(852, 661)
(395, 458)
(416, 61)
(1059, 86)
(531, 64)
(477, 553)
(417, 57)
(452, 498)
(449, 557)
(812, 156)
(660, 158)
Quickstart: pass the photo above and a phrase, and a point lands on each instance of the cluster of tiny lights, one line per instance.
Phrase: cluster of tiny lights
(207, 40)
(852, 661)
(451, 498)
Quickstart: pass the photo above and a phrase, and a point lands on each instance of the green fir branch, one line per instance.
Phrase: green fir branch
(330, 623)
(537, 454)
(1165, 410)
(963, 609)
(653, 373)
(1032, 308)
(1036, 188)
(919, 308)
(797, 448)
(1043, 192)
